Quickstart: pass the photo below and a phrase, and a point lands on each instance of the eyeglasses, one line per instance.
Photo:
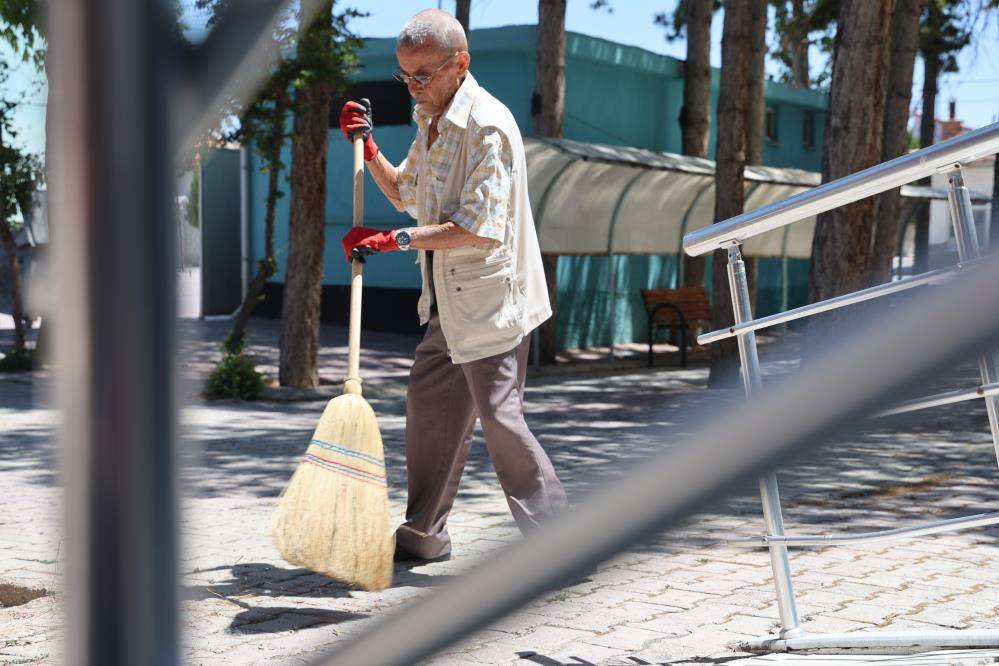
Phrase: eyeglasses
(422, 79)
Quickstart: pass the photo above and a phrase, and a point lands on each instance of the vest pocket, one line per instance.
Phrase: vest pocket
(482, 299)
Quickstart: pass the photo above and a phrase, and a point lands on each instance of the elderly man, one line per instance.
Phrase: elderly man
(465, 182)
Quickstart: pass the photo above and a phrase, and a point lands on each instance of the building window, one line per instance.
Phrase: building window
(771, 128)
(389, 102)
(808, 129)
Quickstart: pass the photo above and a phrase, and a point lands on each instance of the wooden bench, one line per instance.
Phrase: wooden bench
(685, 310)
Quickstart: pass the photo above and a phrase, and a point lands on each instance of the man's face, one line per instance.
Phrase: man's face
(433, 97)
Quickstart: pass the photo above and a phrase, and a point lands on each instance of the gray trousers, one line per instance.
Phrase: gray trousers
(442, 402)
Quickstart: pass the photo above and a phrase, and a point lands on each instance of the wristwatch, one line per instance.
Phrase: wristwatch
(403, 239)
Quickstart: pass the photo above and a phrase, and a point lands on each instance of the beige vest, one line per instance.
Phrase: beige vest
(488, 298)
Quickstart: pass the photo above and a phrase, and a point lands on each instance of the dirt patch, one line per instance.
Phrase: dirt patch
(18, 595)
(903, 488)
(894, 489)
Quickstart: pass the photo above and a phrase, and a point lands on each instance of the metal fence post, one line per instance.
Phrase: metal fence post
(769, 493)
(966, 238)
(110, 156)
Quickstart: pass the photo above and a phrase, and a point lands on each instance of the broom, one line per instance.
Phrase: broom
(333, 517)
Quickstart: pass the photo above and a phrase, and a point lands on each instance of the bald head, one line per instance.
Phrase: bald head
(433, 30)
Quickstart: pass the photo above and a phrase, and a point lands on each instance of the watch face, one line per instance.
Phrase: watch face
(402, 239)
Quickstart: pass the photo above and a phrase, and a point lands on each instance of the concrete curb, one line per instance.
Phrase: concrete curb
(380, 390)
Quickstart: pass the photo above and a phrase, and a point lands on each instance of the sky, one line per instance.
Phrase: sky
(975, 87)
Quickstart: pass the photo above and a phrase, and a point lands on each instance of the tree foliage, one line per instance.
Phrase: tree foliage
(263, 123)
(21, 27)
(675, 23)
(797, 25)
(945, 29)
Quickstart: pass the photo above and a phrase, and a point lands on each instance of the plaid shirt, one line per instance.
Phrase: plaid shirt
(483, 208)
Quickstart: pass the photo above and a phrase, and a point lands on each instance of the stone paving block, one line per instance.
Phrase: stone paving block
(942, 616)
(519, 623)
(542, 638)
(617, 576)
(453, 660)
(710, 641)
(955, 582)
(904, 623)
(657, 564)
(581, 653)
(686, 620)
(750, 598)
(639, 611)
(605, 596)
(805, 578)
(714, 583)
(749, 624)
(625, 638)
(682, 598)
(979, 572)
(826, 623)
(646, 586)
(982, 602)
(751, 575)
(863, 612)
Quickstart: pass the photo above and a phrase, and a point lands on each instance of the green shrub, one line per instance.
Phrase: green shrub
(234, 377)
(17, 361)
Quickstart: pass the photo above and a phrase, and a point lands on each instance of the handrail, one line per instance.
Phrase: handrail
(876, 179)
(676, 483)
(931, 277)
(936, 527)
(941, 399)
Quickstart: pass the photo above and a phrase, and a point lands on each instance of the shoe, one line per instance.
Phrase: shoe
(404, 556)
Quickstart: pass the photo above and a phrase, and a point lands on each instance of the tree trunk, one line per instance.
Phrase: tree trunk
(800, 76)
(994, 217)
(695, 115)
(927, 129)
(462, 9)
(757, 81)
(895, 142)
(841, 246)
(300, 310)
(730, 156)
(755, 112)
(267, 266)
(548, 107)
(14, 268)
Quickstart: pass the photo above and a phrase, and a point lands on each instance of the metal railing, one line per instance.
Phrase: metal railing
(115, 71)
(729, 234)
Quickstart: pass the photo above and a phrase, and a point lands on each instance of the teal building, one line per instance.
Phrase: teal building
(615, 94)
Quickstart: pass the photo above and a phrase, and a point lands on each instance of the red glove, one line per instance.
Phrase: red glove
(367, 242)
(355, 118)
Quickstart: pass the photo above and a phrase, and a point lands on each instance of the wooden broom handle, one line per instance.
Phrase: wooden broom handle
(352, 383)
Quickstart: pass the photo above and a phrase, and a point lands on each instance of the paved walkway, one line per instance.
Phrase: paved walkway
(686, 597)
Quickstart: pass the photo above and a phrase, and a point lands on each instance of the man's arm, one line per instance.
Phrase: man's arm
(446, 236)
(386, 176)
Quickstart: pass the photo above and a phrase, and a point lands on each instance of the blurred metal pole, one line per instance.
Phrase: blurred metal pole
(119, 76)
(738, 285)
(111, 186)
(966, 238)
(834, 392)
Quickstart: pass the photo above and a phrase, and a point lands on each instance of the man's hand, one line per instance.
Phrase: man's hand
(368, 241)
(355, 119)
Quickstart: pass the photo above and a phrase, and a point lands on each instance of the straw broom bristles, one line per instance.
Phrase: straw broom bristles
(333, 517)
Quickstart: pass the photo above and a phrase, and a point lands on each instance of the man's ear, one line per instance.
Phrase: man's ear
(464, 60)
